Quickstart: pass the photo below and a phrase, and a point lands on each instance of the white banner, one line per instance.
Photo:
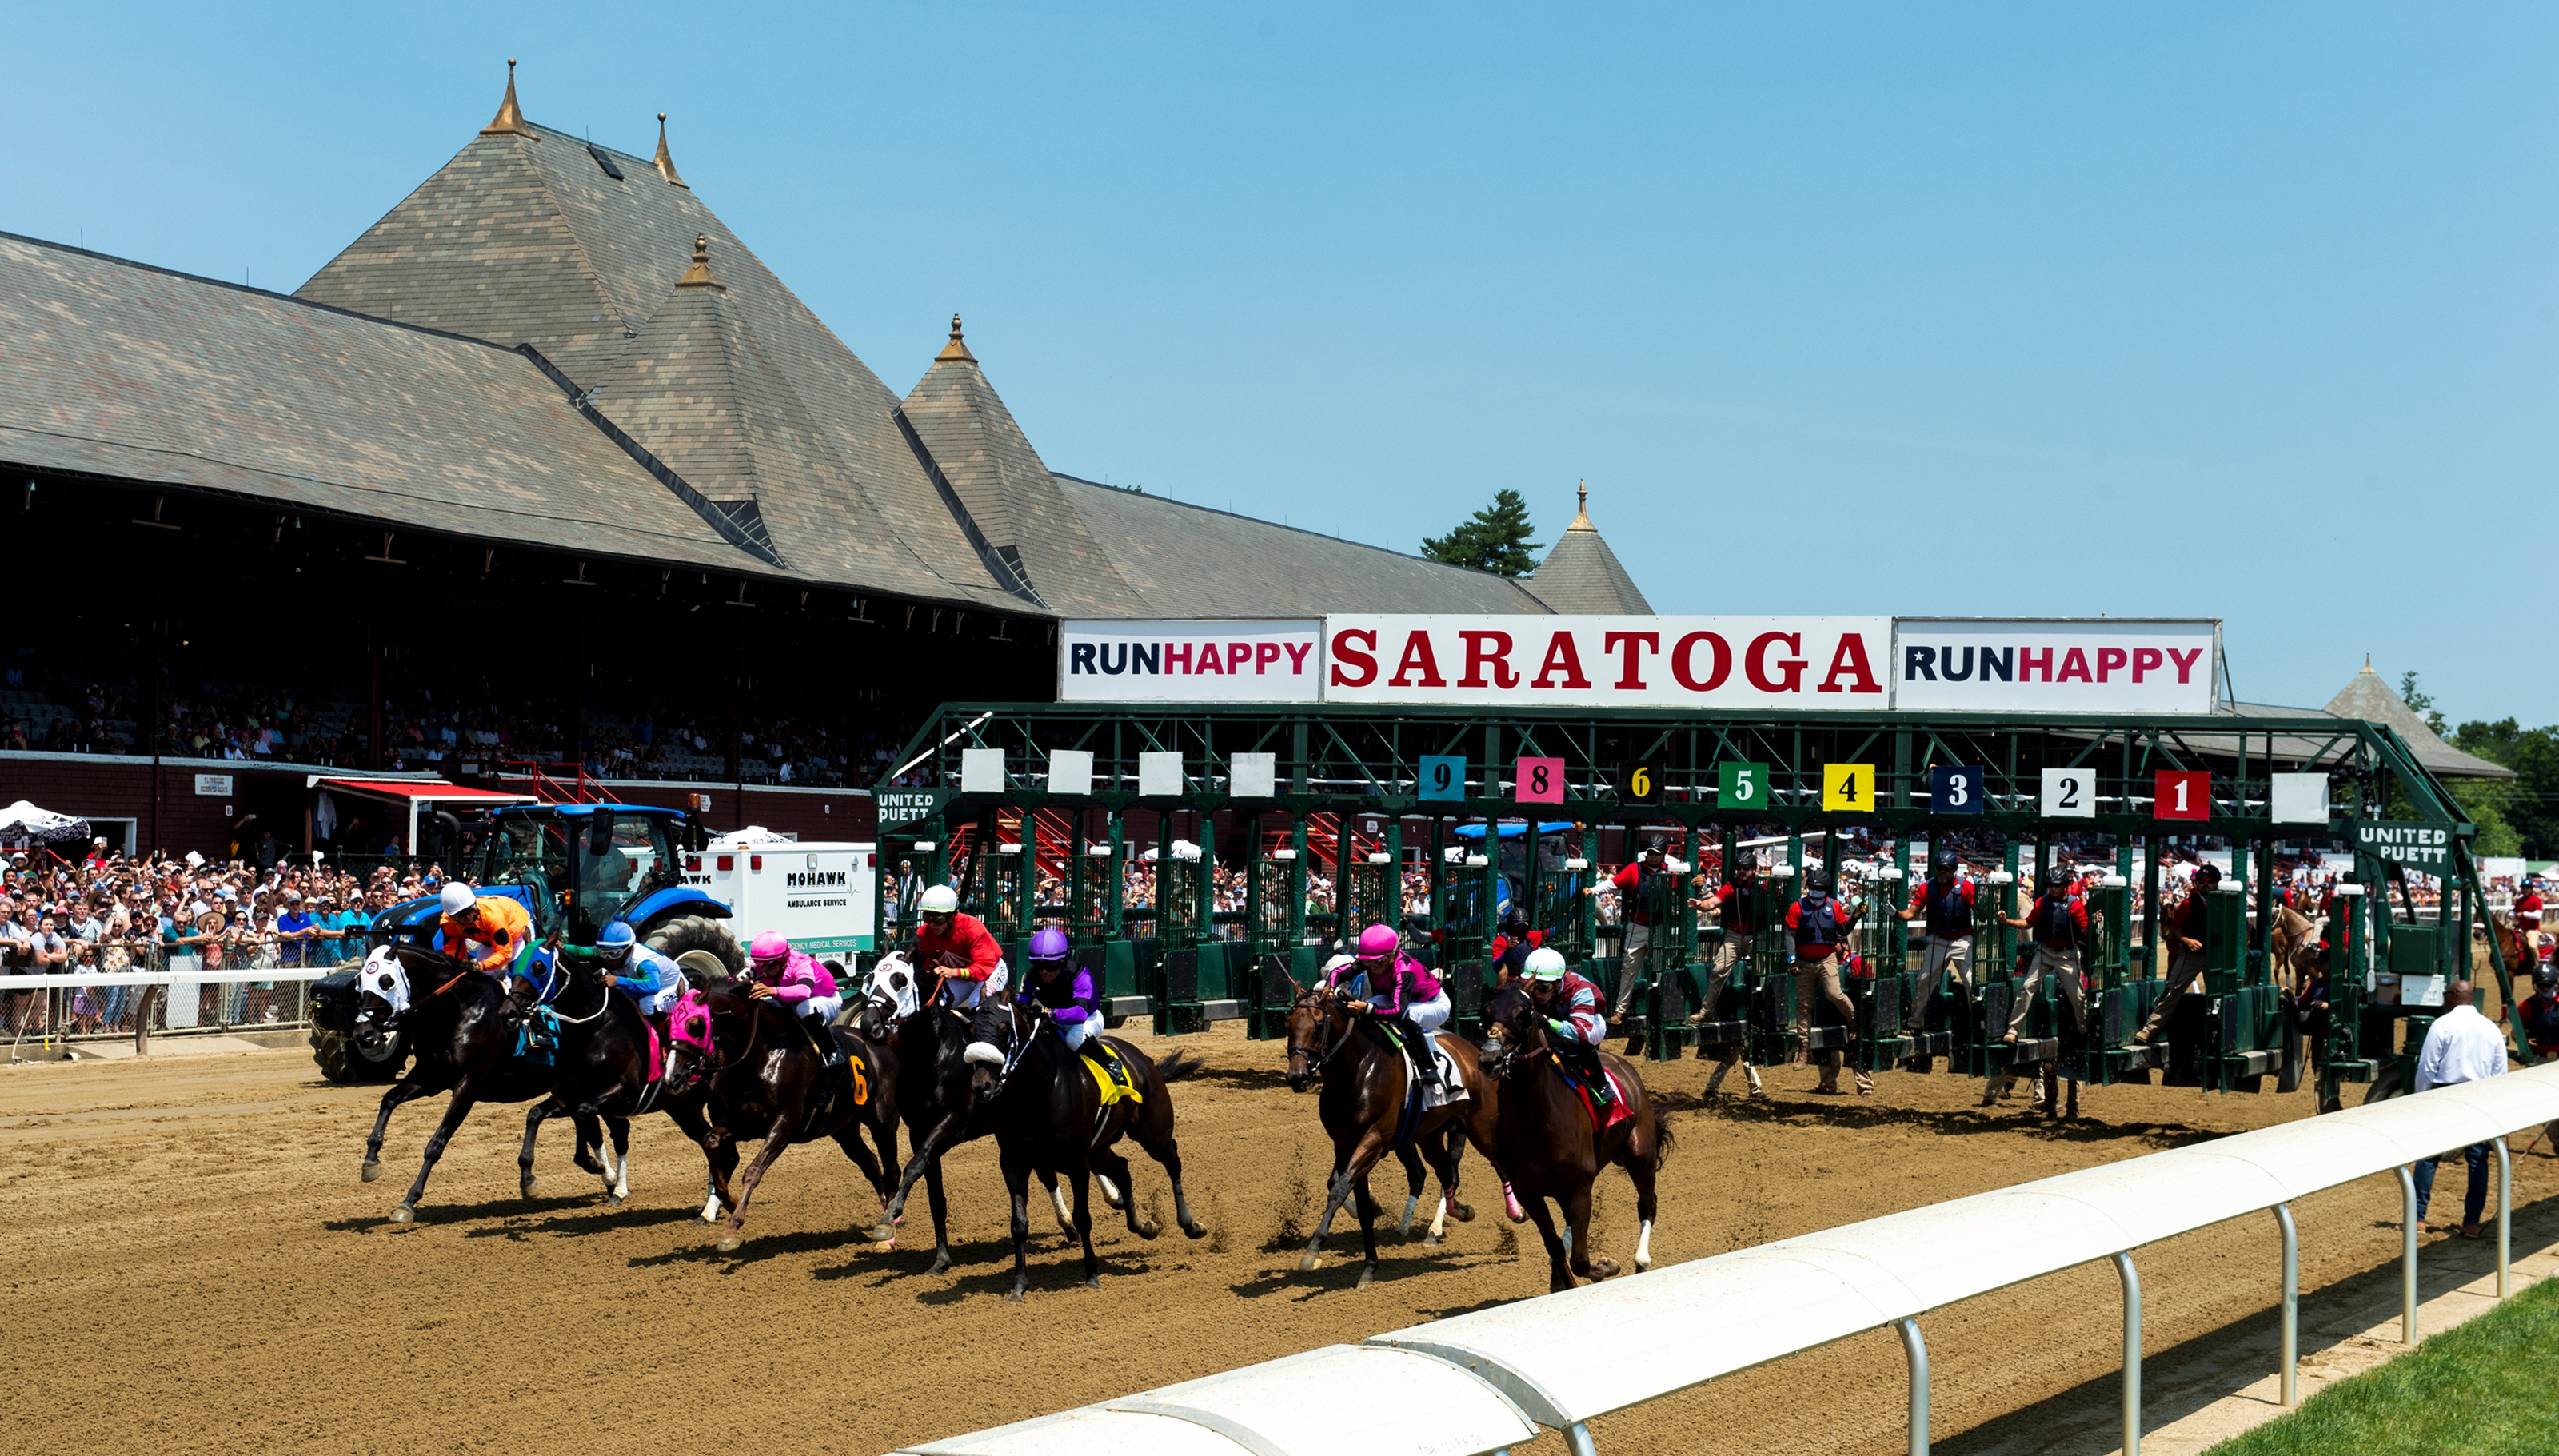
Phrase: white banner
(1206, 661)
(1814, 663)
(2099, 666)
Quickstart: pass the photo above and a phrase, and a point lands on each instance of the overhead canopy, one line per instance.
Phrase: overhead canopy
(23, 822)
(423, 791)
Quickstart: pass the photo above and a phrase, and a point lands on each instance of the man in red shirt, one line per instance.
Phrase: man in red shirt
(972, 967)
(2184, 926)
(1945, 901)
(2527, 918)
(1817, 926)
(1730, 902)
(1644, 890)
(2058, 922)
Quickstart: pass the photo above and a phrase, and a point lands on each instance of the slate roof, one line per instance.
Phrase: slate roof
(1582, 577)
(121, 369)
(1185, 560)
(2369, 698)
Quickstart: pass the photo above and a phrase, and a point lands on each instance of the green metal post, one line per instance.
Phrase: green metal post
(1256, 933)
(1395, 870)
(1297, 881)
(2151, 850)
(1204, 927)
(1589, 912)
(1114, 880)
(1027, 893)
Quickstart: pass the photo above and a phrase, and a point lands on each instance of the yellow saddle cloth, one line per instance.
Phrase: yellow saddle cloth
(1114, 1087)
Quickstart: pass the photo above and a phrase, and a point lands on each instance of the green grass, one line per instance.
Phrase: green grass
(2488, 1388)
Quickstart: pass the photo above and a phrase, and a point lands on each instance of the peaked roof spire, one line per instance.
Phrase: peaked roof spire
(1581, 576)
(510, 120)
(956, 349)
(1582, 516)
(699, 274)
(665, 161)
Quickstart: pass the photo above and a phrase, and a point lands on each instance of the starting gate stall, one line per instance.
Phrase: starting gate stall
(1883, 993)
(2142, 782)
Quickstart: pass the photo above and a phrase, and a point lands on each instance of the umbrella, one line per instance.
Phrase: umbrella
(24, 821)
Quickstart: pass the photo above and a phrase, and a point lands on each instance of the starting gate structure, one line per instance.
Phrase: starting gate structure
(1182, 846)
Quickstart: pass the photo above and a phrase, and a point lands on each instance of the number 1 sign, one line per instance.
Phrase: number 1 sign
(2183, 794)
(1540, 781)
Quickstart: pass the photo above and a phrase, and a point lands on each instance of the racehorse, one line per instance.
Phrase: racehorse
(453, 1014)
(1547, 1145)
(1049, 1118)
(751, 1063)
(1364, 1110)
(2293, 948)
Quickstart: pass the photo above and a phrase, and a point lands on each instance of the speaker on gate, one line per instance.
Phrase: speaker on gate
(1673, 989)
(1181, 975)
(1996, 1004)
(1465, 983)
(1277, 988)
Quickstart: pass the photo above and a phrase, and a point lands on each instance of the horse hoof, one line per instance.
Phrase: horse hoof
(729, 1244)
(1512, 1207)
(1463, 1212)
(942, 1266)
(1148, 1230)
(1309, 1264)
(527, 1188)
(1367, 1276)
(373, 1171)
(613, 1199)
(880, 1233)
(404, 1214)
(1194, 1230)
(1603, 1268)
(1093, 1283)
(705, 1223)
(1013, 1298)
(1430, 1241)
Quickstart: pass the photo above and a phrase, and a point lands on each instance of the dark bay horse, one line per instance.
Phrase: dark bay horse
(752, 1064)
(1363, 1110)
(1049, 1118)
(453, 1014)
(933, 1096)
(1547, 1147)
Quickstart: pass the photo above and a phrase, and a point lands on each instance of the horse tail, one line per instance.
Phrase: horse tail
(1661, 1137)
(1177, 1066)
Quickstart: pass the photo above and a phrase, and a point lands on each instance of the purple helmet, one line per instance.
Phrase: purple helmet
(1378, 943)
(1049, 945)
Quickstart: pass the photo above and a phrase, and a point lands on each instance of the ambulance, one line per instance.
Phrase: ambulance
(822, 894)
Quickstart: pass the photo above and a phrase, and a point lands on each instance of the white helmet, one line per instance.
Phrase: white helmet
(939, 899)
(1545, 964)
(457, 898)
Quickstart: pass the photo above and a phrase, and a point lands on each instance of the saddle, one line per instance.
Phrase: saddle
(1452, 1081)
(1615, 1103)
(1110, 1075)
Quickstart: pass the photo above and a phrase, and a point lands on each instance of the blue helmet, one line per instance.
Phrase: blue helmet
(1049, 945)
(616, 939)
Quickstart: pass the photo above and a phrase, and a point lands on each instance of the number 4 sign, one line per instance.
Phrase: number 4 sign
(2183, 794)
(1540, 781)
(2069, 793)
(1847, 788)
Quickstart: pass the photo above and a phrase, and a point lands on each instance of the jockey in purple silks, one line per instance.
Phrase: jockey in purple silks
(1403, 991)
(1069, 996)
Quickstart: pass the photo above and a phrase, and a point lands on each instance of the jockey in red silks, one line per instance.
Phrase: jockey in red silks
(1575, 1017)
(1400, 989)
(806, 988)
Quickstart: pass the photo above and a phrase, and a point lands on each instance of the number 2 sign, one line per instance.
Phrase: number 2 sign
(1540, 781)
(2069, 793)
(2183, 794)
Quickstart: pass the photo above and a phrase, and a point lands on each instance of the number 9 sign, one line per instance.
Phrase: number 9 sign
(1956, 789)
(1443, 777)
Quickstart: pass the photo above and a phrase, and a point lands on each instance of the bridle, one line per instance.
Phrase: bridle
(1317, 1058)
(393, 1021)
(706, 1066)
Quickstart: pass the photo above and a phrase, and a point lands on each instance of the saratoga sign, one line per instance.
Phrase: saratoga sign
(1802, 664)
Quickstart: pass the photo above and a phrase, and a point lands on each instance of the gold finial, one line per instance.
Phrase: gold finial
(699, 274)
(666, 162)
(511, 117)
(956, 348)
(1582, 516)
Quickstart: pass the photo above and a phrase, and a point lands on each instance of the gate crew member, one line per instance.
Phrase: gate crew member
(1732, 904)
(1816, 926)
(2058, 921)
(1644, 891)
(1945, 901)
(1574, 1026)
(638, 971)
(494, 932)
(971, 967)
(804, 986)
(2185, 928)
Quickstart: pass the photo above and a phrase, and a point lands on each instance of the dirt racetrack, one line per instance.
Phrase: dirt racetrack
(195, 1266)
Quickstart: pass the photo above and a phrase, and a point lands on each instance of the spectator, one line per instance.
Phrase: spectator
(2463, 1046)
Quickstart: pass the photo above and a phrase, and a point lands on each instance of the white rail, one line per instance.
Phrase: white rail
(1563, 1360)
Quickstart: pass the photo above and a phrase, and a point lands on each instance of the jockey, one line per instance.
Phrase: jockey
(1068, 995)
(959, 948)
(494, 932)
(638, 971)
(806, 990)
(1575, 1017)
(1403, 990)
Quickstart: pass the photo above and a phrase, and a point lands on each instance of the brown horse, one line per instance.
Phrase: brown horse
(1547, 1147)
(1363, 1110)
(2294, 949)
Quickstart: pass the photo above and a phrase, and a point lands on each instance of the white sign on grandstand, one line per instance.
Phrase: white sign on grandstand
(1209, 661)
(1611, 661)
(1982, 665)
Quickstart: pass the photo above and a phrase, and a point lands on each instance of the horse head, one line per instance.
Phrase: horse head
(381, 995)
(890, 995)
(1511, 1029)
(693, 1045)
(1316, 1022)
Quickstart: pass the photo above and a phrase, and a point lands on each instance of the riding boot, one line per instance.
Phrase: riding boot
(1426, 1057)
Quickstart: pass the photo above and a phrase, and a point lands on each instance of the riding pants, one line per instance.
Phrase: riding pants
(2062, 963)
(967, 994)
(1943, 954)
(2183, 968)
(1076, 1033)
(1431, 1015)
(1820, 977)
(820, 1009)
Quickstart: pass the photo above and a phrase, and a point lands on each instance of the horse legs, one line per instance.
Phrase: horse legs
(941, 1206)
(1350, 1168)
(1576, 1214)
(1560, 1276)
(850, 1138)
(1368, 1211)
(784, 1129)
(1446, 1165)
(1411, 1157)
(533, 1117)
(464, 1095)
(1057, 1201)
(1084, 1223)
(688, 1120)
(617, 1178)
(926, 1160)
(399, 1092)
(1107, 1161)
(1641, 1169)
(1018, 1184)
(884, 1133)
(1156, 1137)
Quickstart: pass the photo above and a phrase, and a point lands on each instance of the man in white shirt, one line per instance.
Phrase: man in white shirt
(2462, 1046)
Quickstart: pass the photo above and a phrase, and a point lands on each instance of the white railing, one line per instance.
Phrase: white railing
(1564, 1359)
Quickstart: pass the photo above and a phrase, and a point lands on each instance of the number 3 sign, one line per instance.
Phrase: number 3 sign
(2070, 794)
(1540, 781)
(1955, 789)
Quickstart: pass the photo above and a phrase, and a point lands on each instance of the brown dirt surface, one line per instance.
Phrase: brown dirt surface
(195, 1266)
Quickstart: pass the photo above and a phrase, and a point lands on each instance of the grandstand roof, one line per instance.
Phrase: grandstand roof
(1582, 577)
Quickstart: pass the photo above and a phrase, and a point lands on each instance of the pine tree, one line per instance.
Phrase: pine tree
(1494, 539)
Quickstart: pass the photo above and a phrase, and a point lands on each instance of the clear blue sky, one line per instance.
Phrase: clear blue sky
(2248, 311)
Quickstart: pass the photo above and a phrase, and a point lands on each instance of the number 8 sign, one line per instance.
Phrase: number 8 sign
(1955, 789)
(1540, 781)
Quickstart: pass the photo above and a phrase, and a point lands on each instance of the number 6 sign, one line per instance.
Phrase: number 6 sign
(1540, 781)
(2070, 794)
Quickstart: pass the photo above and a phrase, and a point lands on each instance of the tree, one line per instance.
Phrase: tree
(2526, 810)
(2420, 702)
(1494, 539)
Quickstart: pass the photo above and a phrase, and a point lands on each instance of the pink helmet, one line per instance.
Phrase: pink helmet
(771, 945)
(1377, 943)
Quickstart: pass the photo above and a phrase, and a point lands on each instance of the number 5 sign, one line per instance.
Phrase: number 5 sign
(1741, 786)
(2070, 794)
(1540, 781)
(2183, 794)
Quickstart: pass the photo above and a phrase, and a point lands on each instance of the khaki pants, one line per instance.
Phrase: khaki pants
(2063, 965)
(2184, 967)
(1942, 954)
(1638, 951)
(1821, 979)
(1727, 957)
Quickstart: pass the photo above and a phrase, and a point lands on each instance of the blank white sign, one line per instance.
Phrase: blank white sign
(981, 770)
(1070, 771)
(2300, 798)
(1159, 773)
(2070, 794)
(1253, 774)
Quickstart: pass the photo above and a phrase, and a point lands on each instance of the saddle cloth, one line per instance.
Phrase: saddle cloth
(1589, 1106)
(1452, 1083)
(1113, 1088)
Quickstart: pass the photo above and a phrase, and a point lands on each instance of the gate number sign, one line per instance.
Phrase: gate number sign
(2069, 793)
(1540, 781)
(1847, 788)
(1639, 782)
(1954, 789)
(2183, 794)
(1741, 786)
(1443, 777)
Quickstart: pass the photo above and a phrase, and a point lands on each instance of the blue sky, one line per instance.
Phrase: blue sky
(2247, 312)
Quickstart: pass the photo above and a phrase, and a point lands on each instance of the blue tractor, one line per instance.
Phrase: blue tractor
(577, 867)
